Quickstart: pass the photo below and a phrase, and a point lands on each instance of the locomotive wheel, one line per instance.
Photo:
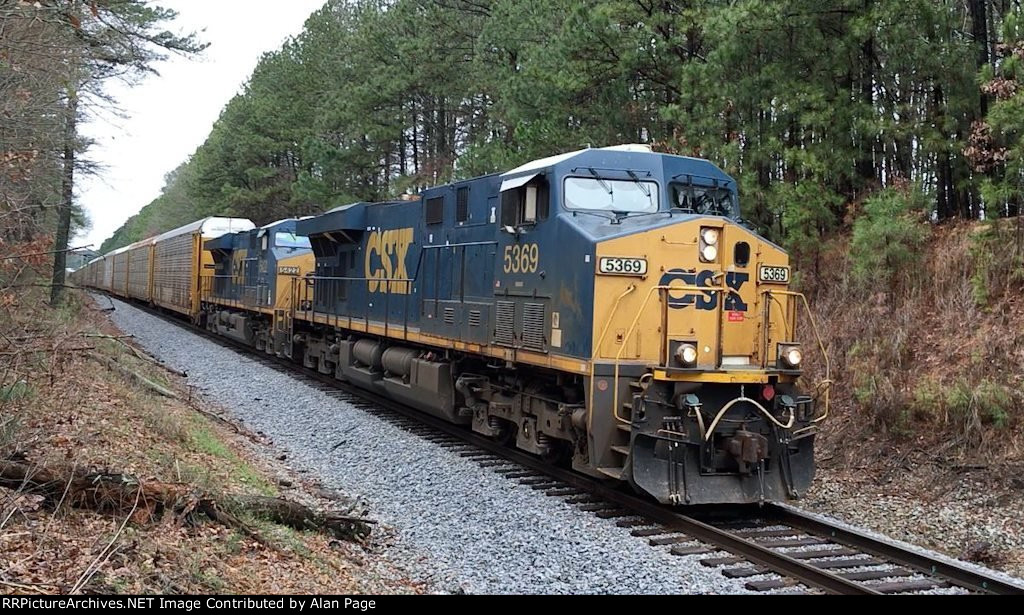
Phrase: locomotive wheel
(507, 432)
(557, 454)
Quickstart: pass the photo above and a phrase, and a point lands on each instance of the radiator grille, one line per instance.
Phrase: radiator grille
(504, 323)
(474, 318)
(533, 325)
(449, 316)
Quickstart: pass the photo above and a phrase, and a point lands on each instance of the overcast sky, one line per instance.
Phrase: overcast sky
(169, 115)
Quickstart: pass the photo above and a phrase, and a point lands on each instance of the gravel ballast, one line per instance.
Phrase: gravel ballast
(459, 526)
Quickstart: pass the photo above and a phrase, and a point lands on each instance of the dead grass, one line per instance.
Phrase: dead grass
(930, 369)
(58, 407)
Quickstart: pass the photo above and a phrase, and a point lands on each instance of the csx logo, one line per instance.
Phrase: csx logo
(704, 301)
(385, 260)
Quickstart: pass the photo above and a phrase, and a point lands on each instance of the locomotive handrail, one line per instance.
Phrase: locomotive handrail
(310, 279)
(825, 385)
(324, 277)
(466, 244)
(636, 320)
(597, 351)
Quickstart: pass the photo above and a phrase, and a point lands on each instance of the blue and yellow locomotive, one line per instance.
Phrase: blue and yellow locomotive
(604, 306)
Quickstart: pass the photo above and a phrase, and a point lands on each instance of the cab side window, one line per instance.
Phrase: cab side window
(527, 204)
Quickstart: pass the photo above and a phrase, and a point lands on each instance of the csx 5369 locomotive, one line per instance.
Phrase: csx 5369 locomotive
(603, 307)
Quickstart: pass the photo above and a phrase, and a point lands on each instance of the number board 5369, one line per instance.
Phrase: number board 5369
(776, 275)
(617, 265)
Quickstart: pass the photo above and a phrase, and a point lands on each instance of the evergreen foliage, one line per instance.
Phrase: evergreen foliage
(812, 105)
(887, 239)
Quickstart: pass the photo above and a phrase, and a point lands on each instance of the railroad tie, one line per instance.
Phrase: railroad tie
(874, 575)
(597, 506)
(769, 584)
(668, 540)
(850, 562)
(632, 522)
(522, 474)
(563, 491)
(651, 531)
(697, 549)
(767, 533)
(535, 480)
(805, 541)
(897, 587)
(744, 572)
(545, 485)
(496, 463)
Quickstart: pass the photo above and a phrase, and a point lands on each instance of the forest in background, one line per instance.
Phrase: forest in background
(813, 105)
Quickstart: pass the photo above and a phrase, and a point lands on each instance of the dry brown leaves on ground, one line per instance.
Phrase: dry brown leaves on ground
(60, 408)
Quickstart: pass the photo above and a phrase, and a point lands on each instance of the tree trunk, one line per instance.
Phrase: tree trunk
(979, 30)
(67, 196)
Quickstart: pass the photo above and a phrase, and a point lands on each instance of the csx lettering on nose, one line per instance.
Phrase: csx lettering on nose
(709, 300)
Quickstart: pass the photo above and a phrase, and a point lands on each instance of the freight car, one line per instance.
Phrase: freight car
(164, 271)
(605, 308)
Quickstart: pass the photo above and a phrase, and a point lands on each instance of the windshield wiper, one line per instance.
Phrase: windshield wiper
(640, 184)
(599, 214)
(603, 183)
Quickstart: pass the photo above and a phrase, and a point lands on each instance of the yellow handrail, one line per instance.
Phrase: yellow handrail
(827, 382)
(632, 327)
(597, 351)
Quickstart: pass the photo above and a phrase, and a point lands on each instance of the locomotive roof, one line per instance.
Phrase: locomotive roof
(621, 157)
(282, 221)
(119, 250)
(210, 227)
(351, 217)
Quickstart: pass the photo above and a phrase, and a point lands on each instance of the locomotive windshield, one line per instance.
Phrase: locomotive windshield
(702, 200)
(613, 195)
(291, 240)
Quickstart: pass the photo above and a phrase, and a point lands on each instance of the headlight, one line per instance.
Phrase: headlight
(710, 236)
(709, 253)
(791, 356)
(686, 354)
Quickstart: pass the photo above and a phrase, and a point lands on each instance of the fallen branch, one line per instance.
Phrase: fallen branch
(215, 416)
(139, 378)
(107, 551)
(146, 501)
(299, 517)
(142, 356)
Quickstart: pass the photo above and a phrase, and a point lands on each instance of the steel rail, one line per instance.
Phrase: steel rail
(975, 580)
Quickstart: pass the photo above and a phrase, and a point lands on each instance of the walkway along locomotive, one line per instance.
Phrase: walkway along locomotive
(603, 307)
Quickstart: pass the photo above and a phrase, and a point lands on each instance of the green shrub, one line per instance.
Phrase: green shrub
(926, 402)
(17, 391)
(987, 403)
(887, 237)
(997, 261)
(995, 404)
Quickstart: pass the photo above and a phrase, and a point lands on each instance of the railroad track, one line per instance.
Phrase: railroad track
(775, 547)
